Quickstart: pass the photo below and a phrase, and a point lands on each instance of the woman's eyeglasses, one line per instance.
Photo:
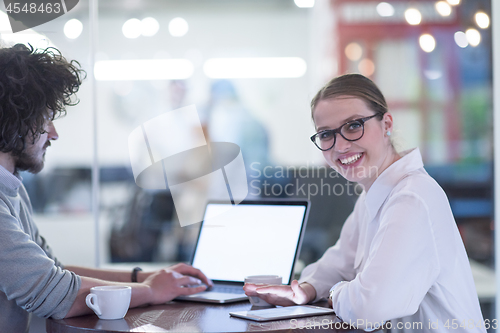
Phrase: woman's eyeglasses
(351, 131)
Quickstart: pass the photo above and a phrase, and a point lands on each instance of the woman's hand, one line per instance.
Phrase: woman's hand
(166, 284)
(282, 295)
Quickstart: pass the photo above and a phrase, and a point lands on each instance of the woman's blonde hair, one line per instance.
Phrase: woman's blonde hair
(353, 85)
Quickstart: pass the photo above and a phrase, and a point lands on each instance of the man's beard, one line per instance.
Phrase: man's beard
(28, 162)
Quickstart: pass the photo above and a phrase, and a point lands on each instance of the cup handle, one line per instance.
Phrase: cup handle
(94, 306)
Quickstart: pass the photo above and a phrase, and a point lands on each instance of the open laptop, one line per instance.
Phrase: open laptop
(252, 238)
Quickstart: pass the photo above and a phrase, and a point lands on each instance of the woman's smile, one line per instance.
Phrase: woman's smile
(350, 160)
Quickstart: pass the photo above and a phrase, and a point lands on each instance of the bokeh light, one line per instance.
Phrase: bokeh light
(461, 39)
(73, 29)
(427, 43)
(443, 8)
(149, 26)
(482, 20)
(366, 67)
(178, 27)
(473, 37)
(353, 51)
(413, 16)
(132, 28)
(385, 9)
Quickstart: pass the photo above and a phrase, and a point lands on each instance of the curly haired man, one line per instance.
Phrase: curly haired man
(35, 87)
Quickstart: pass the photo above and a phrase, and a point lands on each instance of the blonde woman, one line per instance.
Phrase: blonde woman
(400, 260)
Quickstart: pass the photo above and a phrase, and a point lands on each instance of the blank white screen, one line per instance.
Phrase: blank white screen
(248, 240)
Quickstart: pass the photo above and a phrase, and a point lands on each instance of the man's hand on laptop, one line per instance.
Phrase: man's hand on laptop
(181, 279)
(182, 268)
(191, 271)
(282, 295)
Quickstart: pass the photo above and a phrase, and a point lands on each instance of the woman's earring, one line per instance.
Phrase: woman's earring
(388, 133)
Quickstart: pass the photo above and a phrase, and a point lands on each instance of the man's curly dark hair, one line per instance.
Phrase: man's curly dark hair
(35, 85)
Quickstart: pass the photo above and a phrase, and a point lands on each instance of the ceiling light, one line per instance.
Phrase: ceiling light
(427, 43)
(385, 9)
(178, 27)
(132, 28)
(219, 68)
(443, 8)
(482, 20)
(413, 16)
(73, 29)
(148, 69)
(473, 37)
(149, 26)
(453, 2)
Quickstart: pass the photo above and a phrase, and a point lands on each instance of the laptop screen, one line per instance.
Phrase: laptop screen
(251, 238)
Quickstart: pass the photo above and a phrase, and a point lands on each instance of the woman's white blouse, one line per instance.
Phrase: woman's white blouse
(401, 258)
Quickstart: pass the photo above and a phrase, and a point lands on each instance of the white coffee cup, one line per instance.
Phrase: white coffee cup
(262, 279)
(109, 302)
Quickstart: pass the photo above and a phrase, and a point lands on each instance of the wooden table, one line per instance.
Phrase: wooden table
(192, 317)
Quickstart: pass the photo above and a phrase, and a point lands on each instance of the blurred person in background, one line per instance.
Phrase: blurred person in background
(228, 120)
(35, 88)
(400, 260)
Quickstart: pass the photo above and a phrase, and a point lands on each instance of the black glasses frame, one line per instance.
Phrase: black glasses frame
(338, 130)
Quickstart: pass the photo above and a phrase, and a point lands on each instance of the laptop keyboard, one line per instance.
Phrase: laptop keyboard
(228, 289)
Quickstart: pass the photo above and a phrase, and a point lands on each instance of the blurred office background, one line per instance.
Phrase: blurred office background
(431, 59)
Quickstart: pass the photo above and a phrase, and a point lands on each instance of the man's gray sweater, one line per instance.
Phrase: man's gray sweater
(31, 279)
